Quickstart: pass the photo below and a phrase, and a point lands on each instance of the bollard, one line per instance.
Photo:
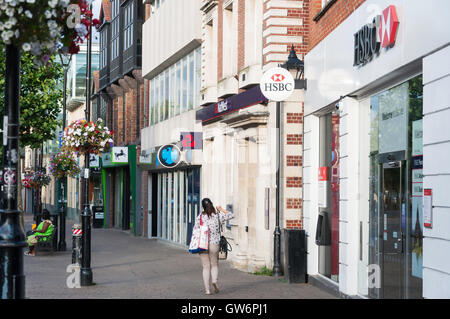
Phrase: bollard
(76, 244)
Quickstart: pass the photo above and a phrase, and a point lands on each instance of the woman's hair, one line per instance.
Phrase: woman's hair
(45, 214)
(208, 206)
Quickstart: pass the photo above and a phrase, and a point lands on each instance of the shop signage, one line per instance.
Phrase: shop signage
(427, 207)
(94, 161)
(323, 186)
(239, 101)
(191, 141)
(119, 155)
(381, 33)
(277, 84)
(169, 155)
(146, 156)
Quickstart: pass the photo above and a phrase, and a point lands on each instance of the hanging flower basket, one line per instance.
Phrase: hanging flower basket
(36, 180)
(44, 26)
(82, 136)
(64, 164)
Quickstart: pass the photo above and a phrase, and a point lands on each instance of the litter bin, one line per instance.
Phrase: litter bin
(295, 256)
(98, 216)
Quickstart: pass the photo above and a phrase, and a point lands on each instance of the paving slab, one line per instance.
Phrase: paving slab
(129, 267)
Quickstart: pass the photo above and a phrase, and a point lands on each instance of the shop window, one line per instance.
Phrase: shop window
(327, 235)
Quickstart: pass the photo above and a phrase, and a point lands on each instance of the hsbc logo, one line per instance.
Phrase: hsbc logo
(277, 84)
(381, 33)
(389, 25)
(277, 77)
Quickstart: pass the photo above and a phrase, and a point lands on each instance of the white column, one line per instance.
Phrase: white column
(349, 188)
(436, 171)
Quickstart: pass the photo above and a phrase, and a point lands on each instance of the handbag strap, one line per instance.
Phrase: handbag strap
(220, 224)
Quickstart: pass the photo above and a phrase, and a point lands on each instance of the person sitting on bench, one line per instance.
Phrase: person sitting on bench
(45, 228)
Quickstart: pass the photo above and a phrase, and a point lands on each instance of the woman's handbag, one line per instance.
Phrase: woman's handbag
(200, 238)
(224, 245)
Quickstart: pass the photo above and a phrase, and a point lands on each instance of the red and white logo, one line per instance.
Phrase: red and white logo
(277, 84)
(278, 77)
(389, 26)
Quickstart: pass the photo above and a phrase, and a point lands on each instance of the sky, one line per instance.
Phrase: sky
(96, 4)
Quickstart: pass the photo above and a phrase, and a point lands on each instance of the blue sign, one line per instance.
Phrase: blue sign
(169, 155)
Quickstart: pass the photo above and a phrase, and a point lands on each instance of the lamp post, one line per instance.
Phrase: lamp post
(65, 58)
(86, 271)
(292, 63)
(12, 237)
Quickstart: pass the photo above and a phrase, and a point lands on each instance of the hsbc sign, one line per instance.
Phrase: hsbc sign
(381, 33)
(277, 84)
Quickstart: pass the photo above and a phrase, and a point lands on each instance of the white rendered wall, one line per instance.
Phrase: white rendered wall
(174, 28)
(436, 170)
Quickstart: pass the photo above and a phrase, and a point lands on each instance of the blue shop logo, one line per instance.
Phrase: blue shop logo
(169, 155)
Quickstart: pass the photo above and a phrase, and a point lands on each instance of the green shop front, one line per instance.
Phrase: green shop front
(118, 175)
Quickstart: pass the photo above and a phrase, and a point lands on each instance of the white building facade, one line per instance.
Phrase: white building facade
(376, 144)
(171, 68)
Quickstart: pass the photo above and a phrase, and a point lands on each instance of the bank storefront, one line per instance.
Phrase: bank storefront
(370, 121)
(173, 187)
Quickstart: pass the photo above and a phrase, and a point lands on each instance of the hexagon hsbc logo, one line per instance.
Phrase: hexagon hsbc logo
(389, 25)
(277, 77)
(381, 33)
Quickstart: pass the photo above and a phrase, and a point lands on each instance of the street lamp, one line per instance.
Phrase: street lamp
(86, 271)
(292, 63)
(65, 58)
(12, 237)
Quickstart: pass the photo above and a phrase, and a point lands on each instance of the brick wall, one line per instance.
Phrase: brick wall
(294, 118)
(285, 24)
(334, 16)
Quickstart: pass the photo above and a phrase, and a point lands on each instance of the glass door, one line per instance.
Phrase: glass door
(393, 215)
(395, 195)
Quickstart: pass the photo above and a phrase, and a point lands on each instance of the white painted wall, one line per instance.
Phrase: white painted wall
(436, 170)
(423, 28)
(174, 27)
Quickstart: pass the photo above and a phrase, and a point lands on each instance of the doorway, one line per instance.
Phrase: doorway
(396, 192)
(393, 216)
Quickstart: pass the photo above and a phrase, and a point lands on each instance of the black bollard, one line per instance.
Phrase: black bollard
(86, 271)
(62, 227)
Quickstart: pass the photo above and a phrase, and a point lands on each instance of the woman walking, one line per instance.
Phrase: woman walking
(210, 258)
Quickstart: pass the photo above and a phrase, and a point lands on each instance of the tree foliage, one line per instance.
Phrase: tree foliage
(40, 99)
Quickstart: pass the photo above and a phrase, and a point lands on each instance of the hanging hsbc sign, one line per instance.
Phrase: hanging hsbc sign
(277, 84)
(381, 33)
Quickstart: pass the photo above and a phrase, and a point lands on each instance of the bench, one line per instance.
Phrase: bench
(46, 241)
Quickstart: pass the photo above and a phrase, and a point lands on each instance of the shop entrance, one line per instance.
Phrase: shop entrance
(175, 204)
(396, 192)
(392, 248)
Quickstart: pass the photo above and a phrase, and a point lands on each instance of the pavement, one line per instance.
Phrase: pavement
(129, 267)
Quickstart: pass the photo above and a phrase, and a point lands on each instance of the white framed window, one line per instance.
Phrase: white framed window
(128, 26)
(176, 89)
(115, 10)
